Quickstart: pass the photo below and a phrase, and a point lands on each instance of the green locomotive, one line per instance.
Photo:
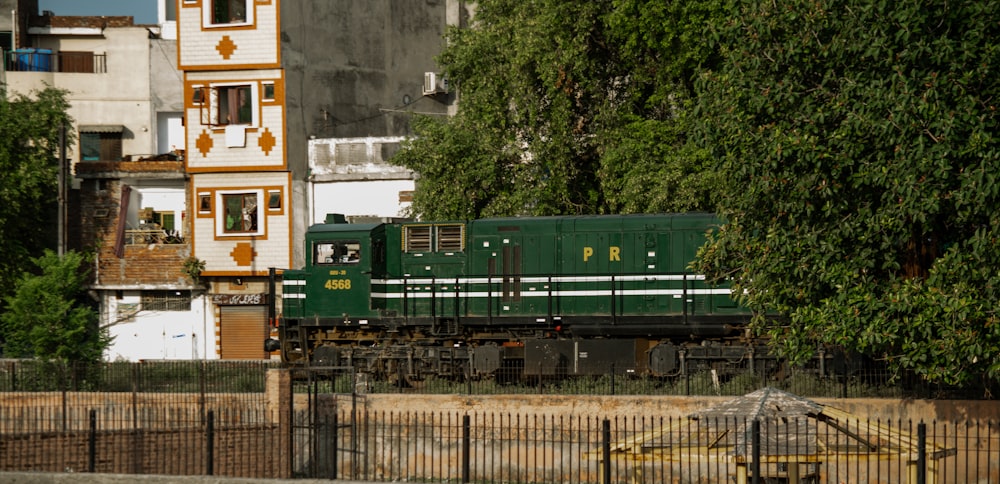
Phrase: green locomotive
(509, 297)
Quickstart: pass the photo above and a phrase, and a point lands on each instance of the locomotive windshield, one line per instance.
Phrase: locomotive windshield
(337, 252)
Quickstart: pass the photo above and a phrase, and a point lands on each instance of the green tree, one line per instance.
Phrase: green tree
(649, 163)
(29, 142)
(50, 316)
(857, 142)
(564, 108)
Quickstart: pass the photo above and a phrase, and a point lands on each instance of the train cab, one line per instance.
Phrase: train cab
(335, 286)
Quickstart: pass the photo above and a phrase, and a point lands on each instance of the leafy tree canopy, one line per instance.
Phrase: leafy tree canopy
(850, 146)
(858, 148)
(29, 142)
(566, 107)
(49, 316)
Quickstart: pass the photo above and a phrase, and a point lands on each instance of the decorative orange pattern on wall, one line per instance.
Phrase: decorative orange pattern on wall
(204, 143)
(266, 141)
(226, 47)
(243, 254)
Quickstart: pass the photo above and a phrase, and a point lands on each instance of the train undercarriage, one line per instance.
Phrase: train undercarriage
(410, 356)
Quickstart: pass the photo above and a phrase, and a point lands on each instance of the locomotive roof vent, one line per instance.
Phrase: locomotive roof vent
(335, 218)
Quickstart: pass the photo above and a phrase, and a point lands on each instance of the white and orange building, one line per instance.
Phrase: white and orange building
(236, 159)
(264, 81)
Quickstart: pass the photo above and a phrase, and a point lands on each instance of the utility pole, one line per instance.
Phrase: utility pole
(61, 179)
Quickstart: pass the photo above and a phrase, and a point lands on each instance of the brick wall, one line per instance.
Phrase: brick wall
(75, 21)
(98, 212)
(144, 264)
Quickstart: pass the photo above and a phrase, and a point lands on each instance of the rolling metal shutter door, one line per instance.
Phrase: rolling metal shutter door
(243, 330)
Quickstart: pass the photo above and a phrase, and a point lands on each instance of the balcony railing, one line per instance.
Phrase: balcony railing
(46, 60)
(152, 236)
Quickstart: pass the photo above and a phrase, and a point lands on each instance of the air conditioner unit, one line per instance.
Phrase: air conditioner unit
(434, 84)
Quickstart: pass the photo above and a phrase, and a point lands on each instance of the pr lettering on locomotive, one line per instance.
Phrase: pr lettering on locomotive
(614, 253)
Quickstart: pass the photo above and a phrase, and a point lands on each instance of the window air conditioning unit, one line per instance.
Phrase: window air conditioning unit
(434, 84)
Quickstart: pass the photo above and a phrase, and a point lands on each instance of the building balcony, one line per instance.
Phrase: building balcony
(153, 235)
(46, 60)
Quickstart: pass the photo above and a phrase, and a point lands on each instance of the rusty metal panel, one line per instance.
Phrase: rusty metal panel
(579, 357)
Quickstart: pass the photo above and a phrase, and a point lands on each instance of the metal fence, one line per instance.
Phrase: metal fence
(868, 380)
(220, 418)
(46, 60)
(153, 417)
(536, 448)
(236, 442)
(154, 376)
(492, 447)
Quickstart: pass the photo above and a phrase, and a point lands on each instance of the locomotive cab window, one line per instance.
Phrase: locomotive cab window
(337, 252)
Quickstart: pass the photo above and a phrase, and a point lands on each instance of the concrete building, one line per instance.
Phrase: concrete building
(292, 108)
(124, 189)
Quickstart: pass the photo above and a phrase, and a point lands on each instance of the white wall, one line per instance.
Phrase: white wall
(165, 197)
(370, 197)
(169, 132)
(156, 335)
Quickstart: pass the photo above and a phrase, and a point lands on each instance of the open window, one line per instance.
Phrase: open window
(204, 204)
(227, 104)
(157, 216)
(197, 95)
(234, 105)
(228, 12)
(337, 252)
(241, 213)
(274, 202)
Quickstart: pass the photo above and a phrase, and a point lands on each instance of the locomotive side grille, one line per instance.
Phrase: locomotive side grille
(417, 238)
(450, 238)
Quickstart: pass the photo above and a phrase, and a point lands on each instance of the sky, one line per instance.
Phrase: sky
(144, 11)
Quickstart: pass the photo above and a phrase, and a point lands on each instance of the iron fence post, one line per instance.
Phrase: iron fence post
(606, 450)
(755, 453)
(210, 443)
(921, 453)
(334, 449)
(466, 436)
(201, 389)
(136, 463)
(62, 386)
(92, 443)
